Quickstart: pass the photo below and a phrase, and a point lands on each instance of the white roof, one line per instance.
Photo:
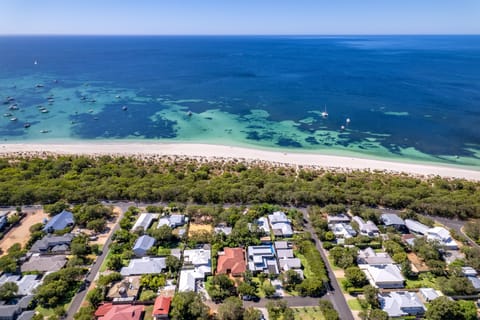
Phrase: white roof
(144, 221)
(429, 293)
(386, 273)
(439, 232)
(278, 217)
(26, 284)
(286, 228)
(262, 223)
(188, 277)
(197, 256)
(144, 265)
(401, 303)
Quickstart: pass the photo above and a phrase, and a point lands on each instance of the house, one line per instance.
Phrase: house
(145, 265)
(384, 276)
(469, 272)
(281, 225)
(52, 244)
(44, 263)
(197, 257)
(409, 239)
(394, 221)
(284, 253)
(26, 315)
(368, 228)
(369, 256)
(125, 291)
(428, 294)
(142, 245)
(343, 231)
(281, 245)
(196, 266)
(173, 221)
(12, 311)
(223, 229)
(289, 263)
(26, 284)
(339, 218)
(109, 311)
(442, 235)
(262, 259)
(161, 308)
(475, 283)
(401, 303)
(59, 222)
(3, 219)
(144, 221)
(263, 226)
(231, 261)
(416, 227)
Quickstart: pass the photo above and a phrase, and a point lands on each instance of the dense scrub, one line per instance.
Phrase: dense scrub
(78, 178)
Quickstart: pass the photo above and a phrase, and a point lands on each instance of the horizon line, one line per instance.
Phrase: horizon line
(231, 34)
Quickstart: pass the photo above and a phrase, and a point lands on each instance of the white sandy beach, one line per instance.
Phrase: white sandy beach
(241, 153)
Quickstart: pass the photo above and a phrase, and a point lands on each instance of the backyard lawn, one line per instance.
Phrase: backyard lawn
(310, 313)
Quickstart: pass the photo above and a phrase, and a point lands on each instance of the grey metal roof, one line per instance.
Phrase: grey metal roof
(391, 219)
(60, 221)
(475, 282)
(401, 303)
(50, 241)
(144, 242)
(144, 265)
(417, 227)
(44, 263)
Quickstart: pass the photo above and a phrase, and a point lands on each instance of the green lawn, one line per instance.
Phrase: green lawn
(308, 313)
(340, 280)
(354, 304)
(146, 294)
(103, 267)
(334, 267)
(426, 282)
(307, 271)
(260, 292)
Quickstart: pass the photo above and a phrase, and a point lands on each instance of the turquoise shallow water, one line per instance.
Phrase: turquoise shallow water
(407, 98)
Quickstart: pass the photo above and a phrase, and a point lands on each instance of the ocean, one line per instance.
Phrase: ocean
(408, 98)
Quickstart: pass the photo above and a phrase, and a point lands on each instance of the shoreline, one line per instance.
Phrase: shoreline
(212, 152)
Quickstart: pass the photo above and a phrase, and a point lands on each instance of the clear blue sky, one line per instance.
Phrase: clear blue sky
(240, 17)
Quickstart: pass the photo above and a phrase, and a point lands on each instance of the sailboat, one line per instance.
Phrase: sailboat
(324, 113)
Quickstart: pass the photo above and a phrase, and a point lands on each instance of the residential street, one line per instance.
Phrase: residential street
(78, 299)
(335, 294)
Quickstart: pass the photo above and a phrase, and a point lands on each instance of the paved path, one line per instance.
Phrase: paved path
(78, 299)
(334, 293)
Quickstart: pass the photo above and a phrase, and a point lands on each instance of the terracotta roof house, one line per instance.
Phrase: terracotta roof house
(108, 311)
(231, 261)
(161, 308)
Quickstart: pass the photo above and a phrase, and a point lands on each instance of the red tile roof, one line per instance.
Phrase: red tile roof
(108, 311)
(161, 306)
(233, 259)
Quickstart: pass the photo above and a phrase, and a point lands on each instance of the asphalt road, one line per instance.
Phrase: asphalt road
(334, 293)
(79, 297)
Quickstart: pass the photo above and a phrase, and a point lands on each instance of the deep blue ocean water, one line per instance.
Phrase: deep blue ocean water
(412, 97)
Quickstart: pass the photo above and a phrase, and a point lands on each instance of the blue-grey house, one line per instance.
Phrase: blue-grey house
(142, 245)
(59, 222)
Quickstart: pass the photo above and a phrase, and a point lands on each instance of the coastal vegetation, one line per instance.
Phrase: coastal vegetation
(75, 179)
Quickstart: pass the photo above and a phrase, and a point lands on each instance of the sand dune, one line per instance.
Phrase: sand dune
(231, 152)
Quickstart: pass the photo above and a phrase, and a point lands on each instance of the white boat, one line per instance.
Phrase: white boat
(347, 121)
(13, 119)
(44, 111)
(44, 131)
(324, 113)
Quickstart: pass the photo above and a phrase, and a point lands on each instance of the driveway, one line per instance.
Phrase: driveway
(78, 299)
(334, 293)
